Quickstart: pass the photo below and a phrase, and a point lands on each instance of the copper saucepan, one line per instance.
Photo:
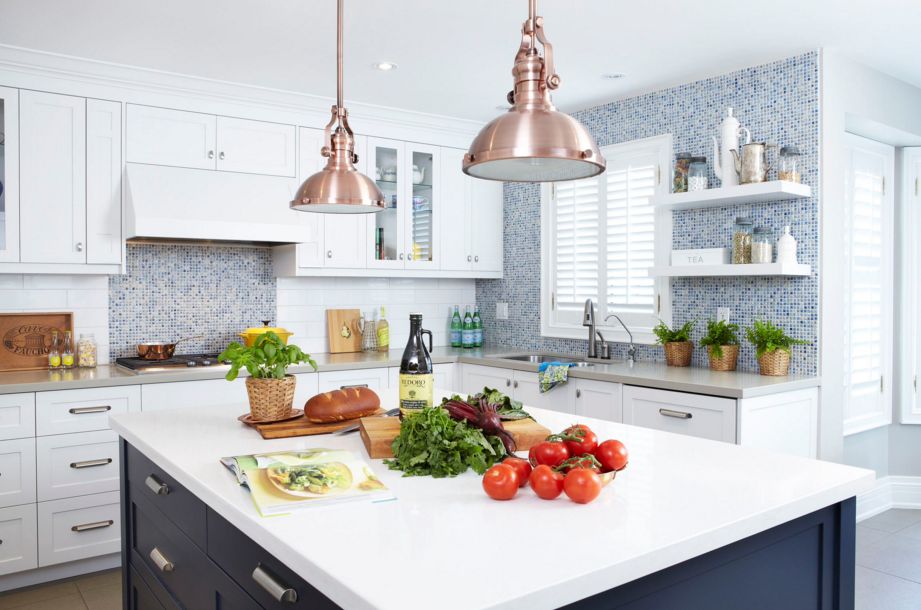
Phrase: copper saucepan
(160, 351)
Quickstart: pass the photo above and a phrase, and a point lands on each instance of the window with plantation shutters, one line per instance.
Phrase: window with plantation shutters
(600, 237)
(868, 303)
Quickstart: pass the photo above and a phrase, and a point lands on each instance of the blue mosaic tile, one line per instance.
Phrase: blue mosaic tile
(172, 291)
(778, 102)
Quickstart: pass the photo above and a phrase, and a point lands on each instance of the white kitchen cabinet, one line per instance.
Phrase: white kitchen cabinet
(376, 379)
(9, 177)
(211, 392)
(486, 225)
(444, 377)
(256, 147)
(17, 471)
(18, 538)
(17, 415)
(52, 178)
(598, 399)
(475, 377)
(160, 136)
(786, 422)
(692, 414)
(520, 385)
(76, 464)
(77, 528)
(103, 182)
(83, 410)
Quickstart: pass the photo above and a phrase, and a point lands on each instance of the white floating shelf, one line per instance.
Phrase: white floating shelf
(730, 270)
(776, 190)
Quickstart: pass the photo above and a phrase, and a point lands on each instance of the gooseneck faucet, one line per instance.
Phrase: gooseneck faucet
(588, 319)
(631, 351)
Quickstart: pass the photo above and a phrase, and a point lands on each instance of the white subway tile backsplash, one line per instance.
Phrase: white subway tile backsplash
(88, 298)
(85, 282)
(33, 300)
(10, 282)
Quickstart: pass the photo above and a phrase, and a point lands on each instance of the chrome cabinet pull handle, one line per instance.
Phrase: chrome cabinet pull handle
(578, 393)
(91, 463)
(355, 385)
(210, 154)
(85, 410)
(157, 556)
(96, 525)
(156, 485)
(508, 382)
(329, 254)
(279, 592)
(221, 156)
(515, 384)
(677, 414)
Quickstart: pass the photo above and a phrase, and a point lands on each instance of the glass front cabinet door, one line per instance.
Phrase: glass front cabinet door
(9, 175)
(424, 173)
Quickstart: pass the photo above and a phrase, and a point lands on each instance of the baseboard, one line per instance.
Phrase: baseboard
(57, 572)
(889, 492)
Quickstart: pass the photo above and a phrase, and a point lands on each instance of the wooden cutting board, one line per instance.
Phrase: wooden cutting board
(303, 427)
(378, 434)
(342, 329)
(25, 338)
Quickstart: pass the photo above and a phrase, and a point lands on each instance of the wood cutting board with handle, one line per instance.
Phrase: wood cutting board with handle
(342, 328)
(302, 426)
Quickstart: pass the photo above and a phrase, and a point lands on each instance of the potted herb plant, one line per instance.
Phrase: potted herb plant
(772, 346)
(676, 342)
(269, 387)
(722, 343)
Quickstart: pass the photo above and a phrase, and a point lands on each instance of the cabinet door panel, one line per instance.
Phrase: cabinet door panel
(9, 175)
(77, 528)
(599, 399)
(389, 158)
(376, 379)
(17, 415)
(475, 377)
(83, 410)
(343, 240)
(421, 231)
(486, 222)
(310, 253)
(103, 182)
(193, 394)
(19, 536)
(17, 471)
(692, 414)
(76, 464)
(454, 213)
(160, 136)
(52, 171)
(526, 388)
(255, 147)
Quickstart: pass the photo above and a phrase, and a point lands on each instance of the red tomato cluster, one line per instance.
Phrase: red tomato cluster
(572, 462)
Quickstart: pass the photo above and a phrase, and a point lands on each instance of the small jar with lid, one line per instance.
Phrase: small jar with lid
(86, 351)
(762, 249)
(682, 166)
(697, 174)
(789, 164)
(742, 241)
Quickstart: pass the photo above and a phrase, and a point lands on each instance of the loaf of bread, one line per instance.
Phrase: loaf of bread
(340, 405)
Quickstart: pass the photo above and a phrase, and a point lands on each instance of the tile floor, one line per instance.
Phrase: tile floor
(888, 573)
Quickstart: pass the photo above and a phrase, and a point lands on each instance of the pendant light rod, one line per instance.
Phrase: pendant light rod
(339, 54)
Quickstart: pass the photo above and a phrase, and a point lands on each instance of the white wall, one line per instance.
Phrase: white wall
(85, 295)
(302, 305)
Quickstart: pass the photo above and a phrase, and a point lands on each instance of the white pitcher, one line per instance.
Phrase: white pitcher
(723, 165)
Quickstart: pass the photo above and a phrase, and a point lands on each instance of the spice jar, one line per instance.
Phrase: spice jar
(86, 351)
(682, 166)
(697, 174)
(762, 250)
(742, 241)
(789, 169)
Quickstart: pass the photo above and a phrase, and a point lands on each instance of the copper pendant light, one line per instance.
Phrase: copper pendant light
(533, 141)
(339, 188)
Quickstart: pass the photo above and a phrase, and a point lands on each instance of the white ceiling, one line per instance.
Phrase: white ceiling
(455, 57)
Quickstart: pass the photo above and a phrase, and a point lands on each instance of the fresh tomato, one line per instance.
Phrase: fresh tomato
(585, 440)
(521, 466)
(582, 485)
(552, 453)
(612, 454)
(580, 461)
(501, 482)
(546, 482)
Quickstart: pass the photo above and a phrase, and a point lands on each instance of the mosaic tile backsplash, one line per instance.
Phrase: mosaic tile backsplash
(173, 291)
(778, 102)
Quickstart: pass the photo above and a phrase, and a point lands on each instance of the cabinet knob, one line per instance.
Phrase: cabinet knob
(476, 259)
(401, 256)
(279, 591)
(578, 393)
(508, 382)
(210, 154)
(160, 560)
(156, 485)
(329, 254)
(221, 156)
(515, 384)
(79, 246)
(409, 257)
(469, 258)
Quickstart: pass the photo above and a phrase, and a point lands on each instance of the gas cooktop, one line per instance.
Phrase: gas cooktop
(188, 361)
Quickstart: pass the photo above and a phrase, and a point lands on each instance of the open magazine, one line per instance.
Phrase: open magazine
(285, 481)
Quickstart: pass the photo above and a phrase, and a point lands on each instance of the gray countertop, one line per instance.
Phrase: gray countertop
(645, 374)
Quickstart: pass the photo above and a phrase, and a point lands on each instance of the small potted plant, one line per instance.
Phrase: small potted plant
(677, 343)
(722, 343)
(269, 387)
(772, 346)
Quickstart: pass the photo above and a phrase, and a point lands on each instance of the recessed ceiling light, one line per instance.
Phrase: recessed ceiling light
(613, 75)
(385, 66)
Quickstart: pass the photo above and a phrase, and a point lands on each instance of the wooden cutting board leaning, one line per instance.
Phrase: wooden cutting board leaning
(25, 338)
(342, 329)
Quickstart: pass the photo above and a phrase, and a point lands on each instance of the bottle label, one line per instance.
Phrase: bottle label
(467, 338)
(455, 337)
(383, 336)
(478, 337)
(416, 393)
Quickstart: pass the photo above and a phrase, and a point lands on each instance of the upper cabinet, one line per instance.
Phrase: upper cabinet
(9, 175)
(178, 138)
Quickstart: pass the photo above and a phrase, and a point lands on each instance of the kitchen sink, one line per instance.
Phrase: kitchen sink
(541, 358)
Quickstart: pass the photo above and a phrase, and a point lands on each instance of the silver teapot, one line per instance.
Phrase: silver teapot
(752, 165)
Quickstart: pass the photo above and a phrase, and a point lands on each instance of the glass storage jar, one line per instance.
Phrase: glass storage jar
(682, 166)
(697, 174)
(789, 164)
(86, 351)
(762, 250)
(742, 241)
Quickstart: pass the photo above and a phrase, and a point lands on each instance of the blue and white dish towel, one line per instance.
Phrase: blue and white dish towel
(552, 374)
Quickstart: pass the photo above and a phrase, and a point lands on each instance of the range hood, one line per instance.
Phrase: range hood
(174, 203)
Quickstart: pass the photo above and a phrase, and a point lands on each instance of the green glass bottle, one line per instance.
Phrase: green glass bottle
(477, 328)
(467, 332)
(456, 328)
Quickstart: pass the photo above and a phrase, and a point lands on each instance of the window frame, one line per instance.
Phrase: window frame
(661, 146)
(908, 219)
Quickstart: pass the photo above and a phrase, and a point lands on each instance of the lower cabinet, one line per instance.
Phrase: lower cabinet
(520, 385)
(77, 528)
(376, 379)
(211, 392)
(76, 464)
(18, 539)
(17, 471)
(599, 399)
(692, 414)
(444, 377)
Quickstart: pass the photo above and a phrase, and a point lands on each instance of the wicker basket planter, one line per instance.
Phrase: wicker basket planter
(270, 399)
(775, 363)
(678, 353)
(726, 362)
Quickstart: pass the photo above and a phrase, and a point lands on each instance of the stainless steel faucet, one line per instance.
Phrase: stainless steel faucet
(631, 351)
(588, 319)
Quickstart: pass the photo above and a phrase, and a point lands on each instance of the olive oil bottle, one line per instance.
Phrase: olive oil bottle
(417, 381)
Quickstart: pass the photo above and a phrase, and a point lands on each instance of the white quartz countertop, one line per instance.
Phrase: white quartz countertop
(645, 374)
(445, 540)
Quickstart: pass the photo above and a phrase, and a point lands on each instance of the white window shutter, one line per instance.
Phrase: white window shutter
(577, 243)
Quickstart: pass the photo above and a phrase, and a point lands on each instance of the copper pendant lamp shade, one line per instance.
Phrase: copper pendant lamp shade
(533, 141)
(339, 188)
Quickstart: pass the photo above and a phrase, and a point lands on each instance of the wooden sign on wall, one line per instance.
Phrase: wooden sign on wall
(25, 338)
